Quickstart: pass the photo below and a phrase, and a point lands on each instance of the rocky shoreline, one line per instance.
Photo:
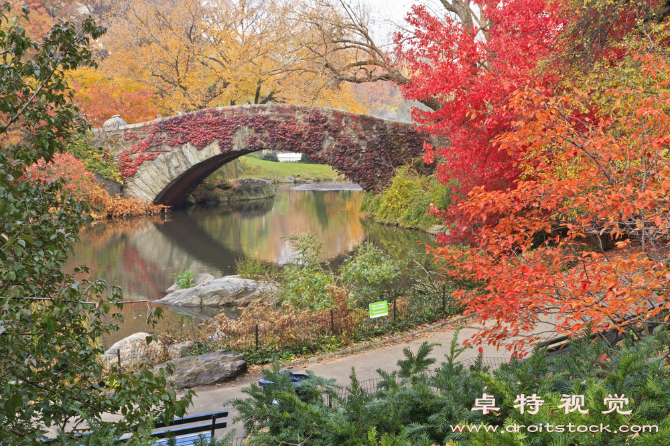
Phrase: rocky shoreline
(193, 371)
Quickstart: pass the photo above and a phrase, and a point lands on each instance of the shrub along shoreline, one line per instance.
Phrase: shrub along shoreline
(319, 311)
(285, 334)
(77, 168)
(406, 201)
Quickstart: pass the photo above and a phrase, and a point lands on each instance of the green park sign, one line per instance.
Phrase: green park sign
(378, 309)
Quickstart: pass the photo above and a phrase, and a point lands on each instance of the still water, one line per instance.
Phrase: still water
(143, 255)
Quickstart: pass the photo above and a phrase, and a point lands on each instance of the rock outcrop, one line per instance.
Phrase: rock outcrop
(203, 370)
(113, 188)
(133, 350)
(437, 229)
(251, 189)
(225, 291)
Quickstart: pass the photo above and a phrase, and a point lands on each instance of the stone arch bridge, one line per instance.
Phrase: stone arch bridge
(164, 160)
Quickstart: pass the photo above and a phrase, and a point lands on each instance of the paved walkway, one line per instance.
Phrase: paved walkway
(366, 363)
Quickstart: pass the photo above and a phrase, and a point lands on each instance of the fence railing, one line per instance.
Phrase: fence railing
(309, 330)
(403, 314)
(371, 385)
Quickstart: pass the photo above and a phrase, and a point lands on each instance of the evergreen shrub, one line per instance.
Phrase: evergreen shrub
(417, 407)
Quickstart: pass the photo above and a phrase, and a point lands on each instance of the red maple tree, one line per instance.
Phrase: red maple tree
(472, 71)
(583, 238)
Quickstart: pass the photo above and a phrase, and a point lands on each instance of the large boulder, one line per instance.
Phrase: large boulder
(251, 189)
(203, 370)
(225, 291)
(134, 350)
(437, 229)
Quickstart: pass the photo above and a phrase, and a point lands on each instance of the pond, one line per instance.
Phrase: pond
(143, 255)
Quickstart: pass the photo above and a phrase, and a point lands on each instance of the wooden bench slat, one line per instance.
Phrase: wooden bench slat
(186, 440)
(200, 428)
(194, 419)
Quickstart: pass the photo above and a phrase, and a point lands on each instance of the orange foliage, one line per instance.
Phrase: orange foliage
(81, 184)
(78, 181)
(101, 102)
(40, 20)
(281, 326)
(109, 207)
(591, 178)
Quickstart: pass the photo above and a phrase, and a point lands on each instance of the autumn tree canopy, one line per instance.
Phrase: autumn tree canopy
(195, 55)
(594, 181)
(580, 237)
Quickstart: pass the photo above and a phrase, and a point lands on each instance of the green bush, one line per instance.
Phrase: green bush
(184, 280)
(96, 160)
(304, 281)
(270, 156)
(249, 268)
(414, 407)
(370, 274)
(51, 319)
(405, 201)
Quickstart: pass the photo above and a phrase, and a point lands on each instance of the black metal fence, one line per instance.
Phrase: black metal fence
(371, 385)
(311, 331)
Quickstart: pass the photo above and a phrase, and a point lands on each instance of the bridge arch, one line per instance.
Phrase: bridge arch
(164, 160)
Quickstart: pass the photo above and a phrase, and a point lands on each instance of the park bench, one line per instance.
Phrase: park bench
(185, 436)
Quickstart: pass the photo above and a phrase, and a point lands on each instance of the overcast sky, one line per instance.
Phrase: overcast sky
(386, 12)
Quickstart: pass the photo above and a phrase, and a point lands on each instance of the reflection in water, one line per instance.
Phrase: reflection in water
(142, 256)
(333, 216)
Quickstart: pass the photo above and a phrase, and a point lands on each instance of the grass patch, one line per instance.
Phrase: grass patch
(256, 168)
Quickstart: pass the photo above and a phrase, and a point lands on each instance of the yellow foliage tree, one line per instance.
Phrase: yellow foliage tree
(196, 55)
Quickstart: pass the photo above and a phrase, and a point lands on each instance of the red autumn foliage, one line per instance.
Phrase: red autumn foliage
(78, 181)
(593, 182)
(473, 72)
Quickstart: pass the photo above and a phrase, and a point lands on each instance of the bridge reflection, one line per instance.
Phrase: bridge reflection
(143, 256)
